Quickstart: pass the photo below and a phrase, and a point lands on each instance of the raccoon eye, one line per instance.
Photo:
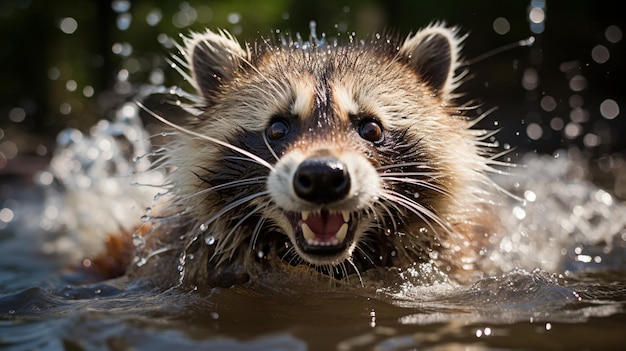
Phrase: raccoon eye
(371, 130)
(278, 129)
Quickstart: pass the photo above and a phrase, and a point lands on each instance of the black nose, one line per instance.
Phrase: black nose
(322, 180)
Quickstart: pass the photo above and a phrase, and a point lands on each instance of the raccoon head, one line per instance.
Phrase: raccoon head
(329, 154)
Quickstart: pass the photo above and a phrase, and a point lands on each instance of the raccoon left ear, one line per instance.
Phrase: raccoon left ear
(213, 59)
(433, 52)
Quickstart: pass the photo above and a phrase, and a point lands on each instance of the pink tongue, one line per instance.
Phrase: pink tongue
(324, 224)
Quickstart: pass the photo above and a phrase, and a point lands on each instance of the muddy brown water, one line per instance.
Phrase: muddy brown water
(577, 306)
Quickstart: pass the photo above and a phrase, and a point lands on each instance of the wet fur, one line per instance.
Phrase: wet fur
(226, 176)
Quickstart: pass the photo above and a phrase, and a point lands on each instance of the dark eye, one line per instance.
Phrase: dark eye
(278, 129)
(370, 130)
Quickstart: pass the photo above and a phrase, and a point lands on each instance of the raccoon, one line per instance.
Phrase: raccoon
(341, 157)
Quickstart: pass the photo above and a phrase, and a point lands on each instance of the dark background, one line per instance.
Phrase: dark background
(52, 80)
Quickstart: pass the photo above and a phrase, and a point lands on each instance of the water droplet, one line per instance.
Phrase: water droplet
(141, 261)
(120, 6)
(260, 254)
(600, 54)
(154, 17)
(578, 83)
(530, 79)
(209, 240)
(203, 227)
(501, 25)
(557, 124)
(17, 114)
(548, 103)
(138, 241)
(534, 131)
(613, 34)
(88, 91)
(68, 25)
(519, 212)
(609, 109)
(234, 18)
(145, 218)
(6, 215)
(65, 108)
(530, 196)
(536, 15)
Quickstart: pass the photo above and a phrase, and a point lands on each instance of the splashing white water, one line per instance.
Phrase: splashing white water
(560, 217)
(94, 184)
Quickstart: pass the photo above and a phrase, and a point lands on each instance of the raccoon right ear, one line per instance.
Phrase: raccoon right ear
(433, 53)
(213, 59)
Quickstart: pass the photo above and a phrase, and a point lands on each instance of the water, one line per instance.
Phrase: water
(557, 277)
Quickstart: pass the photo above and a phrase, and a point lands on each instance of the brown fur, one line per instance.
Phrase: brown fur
(324, 93)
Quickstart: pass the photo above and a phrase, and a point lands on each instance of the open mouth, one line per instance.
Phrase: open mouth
(323, 232)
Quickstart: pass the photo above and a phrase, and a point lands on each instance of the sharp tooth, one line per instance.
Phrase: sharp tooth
(346, 216)
(305, 215)
(307, 232)
(341, 233)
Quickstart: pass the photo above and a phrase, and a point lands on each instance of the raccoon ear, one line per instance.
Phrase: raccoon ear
(213, 59)
(433, 53)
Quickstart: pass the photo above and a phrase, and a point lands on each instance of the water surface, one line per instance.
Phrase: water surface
(561, 285)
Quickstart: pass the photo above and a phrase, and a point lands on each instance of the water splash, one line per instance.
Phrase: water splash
(560, 217)
(92, 190)
(312, 43)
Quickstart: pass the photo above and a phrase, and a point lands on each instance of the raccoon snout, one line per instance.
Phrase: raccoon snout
(322, 180)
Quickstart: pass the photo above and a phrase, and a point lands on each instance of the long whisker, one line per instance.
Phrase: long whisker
(235, 204)
(233, 184)
(244, 218)
(238, 158)
(364, 253)
(407, 164)
(341, 269)
(421, 183)
(257, 231)
(294, 256)
(391, 215)
(416, 208)
(433, 175)
(372, 212)
(358, 274)
(252, 156)
(224, 245)
(267, 144)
